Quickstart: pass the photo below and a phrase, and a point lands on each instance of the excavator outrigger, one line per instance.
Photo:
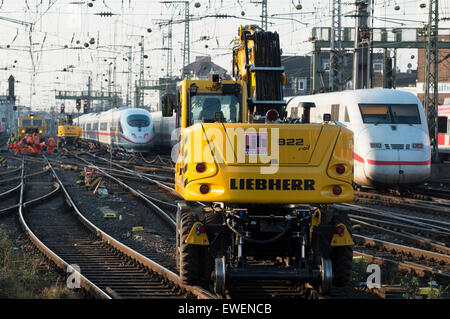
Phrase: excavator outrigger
(257, 189)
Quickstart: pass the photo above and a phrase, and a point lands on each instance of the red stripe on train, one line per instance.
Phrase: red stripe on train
(406, 163)
(117, 134)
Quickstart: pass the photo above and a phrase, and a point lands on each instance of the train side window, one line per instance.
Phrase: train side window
(442, 124)
(335, 112)
(95, 126)
(346, 117)
(88, 126)
(103, 126)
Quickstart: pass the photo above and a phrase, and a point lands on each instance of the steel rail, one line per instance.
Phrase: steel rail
(387, 224)
(26, 176)
(170, 189)
(426, 207)
(362, 210)
(86, 283)
(400, 200)
(421, 270)
(166, 217)
(157, 268)
(436, 233)
(423, 242)
(10, 172)
(10, 191)
(419, 253)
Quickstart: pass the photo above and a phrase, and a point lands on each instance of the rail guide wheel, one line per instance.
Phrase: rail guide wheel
(220, 275)
(326, 269)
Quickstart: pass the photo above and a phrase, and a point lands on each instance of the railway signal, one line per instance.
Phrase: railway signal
(78, 105)
(85, 106)
(62, 109)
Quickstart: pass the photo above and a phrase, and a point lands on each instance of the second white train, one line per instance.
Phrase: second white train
(124, 128)
(391, 140)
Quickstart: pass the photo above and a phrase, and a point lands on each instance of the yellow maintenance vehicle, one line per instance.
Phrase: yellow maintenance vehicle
(68, 133)
(258, 190)
(30, 124)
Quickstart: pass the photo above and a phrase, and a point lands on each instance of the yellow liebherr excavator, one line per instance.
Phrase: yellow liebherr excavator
(257, 190)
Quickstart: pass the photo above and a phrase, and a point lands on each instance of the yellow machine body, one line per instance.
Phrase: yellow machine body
(31, 124)
(266, 181)
(69, 131)
(298, 164)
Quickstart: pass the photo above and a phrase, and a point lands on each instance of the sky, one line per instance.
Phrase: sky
(59, 26)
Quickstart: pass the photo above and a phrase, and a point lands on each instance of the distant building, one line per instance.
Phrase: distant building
(298, 70)
(204, 66)
(443, 72)
(298, 75)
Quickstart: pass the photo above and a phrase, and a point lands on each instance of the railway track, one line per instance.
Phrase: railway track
(160, 199)
(108, 268)
(432, 206)
(435, 252)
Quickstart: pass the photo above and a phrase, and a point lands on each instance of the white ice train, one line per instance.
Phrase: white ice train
(164, 130)
(391, 140)
(125, 128)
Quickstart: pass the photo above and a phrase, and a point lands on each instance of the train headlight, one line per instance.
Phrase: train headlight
(146, 136)
(40, 131)
(134, 135)
(417, 145)
(23, 131)
(375, 145)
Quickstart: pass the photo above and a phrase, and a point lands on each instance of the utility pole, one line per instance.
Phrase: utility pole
(431, 97)
(264, 13)
(336, 53)
(186, 48)
(130, 75)
(169, 51)
(186, 44)
(362, 60)
(140, 97)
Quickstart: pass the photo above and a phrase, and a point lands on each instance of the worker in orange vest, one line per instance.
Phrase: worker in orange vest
(36, 142)
(51, 145)
(28, 139)
(20, 146)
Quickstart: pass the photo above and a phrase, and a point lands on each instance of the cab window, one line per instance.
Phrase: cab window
(26, 122)
(37, 122)
(209, 108)
(138, 120)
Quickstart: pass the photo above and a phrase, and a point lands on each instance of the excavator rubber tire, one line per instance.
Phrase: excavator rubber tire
(342, 256)
(188, 256)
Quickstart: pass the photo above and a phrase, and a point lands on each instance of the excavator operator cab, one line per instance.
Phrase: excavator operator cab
(212, 110)
(204, 101)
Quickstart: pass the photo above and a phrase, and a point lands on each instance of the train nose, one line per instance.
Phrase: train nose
(397, 166)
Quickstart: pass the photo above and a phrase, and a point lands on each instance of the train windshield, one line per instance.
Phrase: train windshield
(215, 108)
(37, 122)
(390, 113)
(26, 122)
(138, 120)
